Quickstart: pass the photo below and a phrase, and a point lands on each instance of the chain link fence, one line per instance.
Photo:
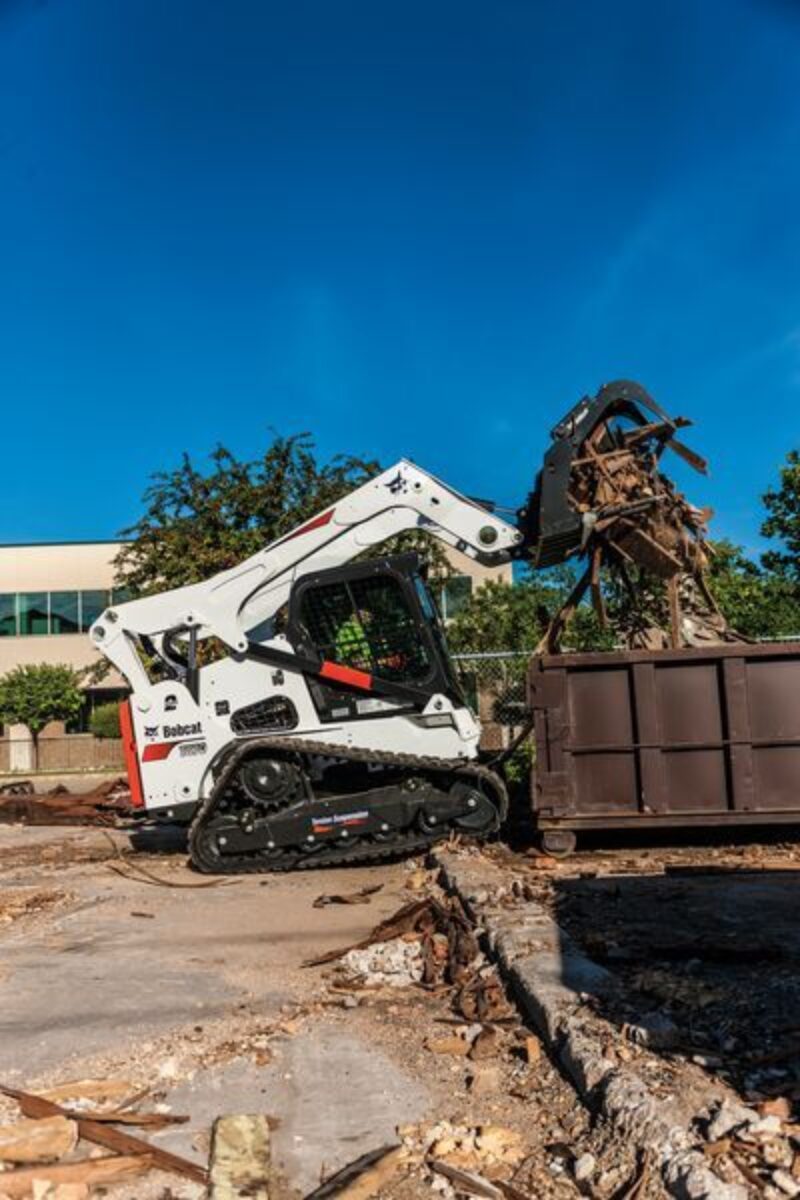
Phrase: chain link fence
(495, 688)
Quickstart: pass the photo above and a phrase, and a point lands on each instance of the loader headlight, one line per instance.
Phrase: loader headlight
(487, 535)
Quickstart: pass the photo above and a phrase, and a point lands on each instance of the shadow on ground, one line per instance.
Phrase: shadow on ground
(708, 956)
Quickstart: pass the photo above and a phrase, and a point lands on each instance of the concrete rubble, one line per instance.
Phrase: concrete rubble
(532, 1033)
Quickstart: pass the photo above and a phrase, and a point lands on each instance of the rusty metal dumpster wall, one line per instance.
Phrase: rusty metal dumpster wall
(705, 736)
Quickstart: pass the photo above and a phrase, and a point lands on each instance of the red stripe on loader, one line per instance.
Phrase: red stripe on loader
(129, 751)
(348, 675)
(157, 750)
(317, 523)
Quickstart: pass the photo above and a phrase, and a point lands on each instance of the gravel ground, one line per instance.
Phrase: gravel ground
(201, 996)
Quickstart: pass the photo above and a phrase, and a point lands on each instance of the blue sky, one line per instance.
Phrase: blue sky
(419, 229)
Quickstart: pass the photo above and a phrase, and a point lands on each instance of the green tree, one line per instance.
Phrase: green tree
(783, 521)
(756, 601)
(104, 721)
(35, 695)
(513, 617)
(196, 523)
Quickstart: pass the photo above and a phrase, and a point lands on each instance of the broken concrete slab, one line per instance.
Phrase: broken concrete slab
(337, 1097)
(239, 1167)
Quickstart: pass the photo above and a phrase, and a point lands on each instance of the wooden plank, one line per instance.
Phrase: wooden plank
(106, 1135)
(91, 1171)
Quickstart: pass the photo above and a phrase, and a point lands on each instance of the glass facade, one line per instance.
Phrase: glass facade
(8, 616)
(33, 613)
(65, 612)
(93, 605)
(28, 614)
(455, 593)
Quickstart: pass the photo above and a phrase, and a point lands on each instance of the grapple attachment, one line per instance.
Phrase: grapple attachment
(602, 472)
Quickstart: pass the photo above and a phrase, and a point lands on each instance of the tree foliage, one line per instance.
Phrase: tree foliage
(104, 721)
(783, 521)
(196, 523)
(37, 694)
(756, 600)
(513, 617)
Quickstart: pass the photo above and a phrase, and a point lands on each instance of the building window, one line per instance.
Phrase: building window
(8, 616)
(33, 613)
(93, 605)
(455, 593)
(64, 616)
(29, 614)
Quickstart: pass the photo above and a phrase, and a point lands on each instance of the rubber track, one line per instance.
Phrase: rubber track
(359, 853)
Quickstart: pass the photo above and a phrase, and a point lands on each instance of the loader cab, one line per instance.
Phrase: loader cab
(376, 617)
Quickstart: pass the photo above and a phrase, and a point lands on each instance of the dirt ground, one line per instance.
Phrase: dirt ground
(707, 933)
(199, 993)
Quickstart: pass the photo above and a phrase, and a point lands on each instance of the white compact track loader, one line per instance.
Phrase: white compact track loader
(332, 729)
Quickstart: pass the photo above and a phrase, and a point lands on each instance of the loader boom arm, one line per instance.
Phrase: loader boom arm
(237, 605)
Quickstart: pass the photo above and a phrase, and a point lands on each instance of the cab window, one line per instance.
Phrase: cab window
(367, 624)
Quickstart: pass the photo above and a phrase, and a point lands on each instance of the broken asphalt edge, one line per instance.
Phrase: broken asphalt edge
(550, 978)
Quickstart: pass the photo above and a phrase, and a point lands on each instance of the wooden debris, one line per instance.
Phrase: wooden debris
(483, 999)
(103, 805)
(365, 1177)
(779, 1107)
(416, 880)
(104, 1095)
(92, 1172)
(106, 1135)
(455, 1045)
(715, 1149)
(361, 897)
(641, 1176)
(144, 1120)
(635, 520)
(533, 1049)
(485, 1045)
(37, 1141)
(468, 1181)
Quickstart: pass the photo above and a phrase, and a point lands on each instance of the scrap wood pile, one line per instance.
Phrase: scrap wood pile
(74, 1138)
(432, 943)
(105, 804)
(643, 541)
